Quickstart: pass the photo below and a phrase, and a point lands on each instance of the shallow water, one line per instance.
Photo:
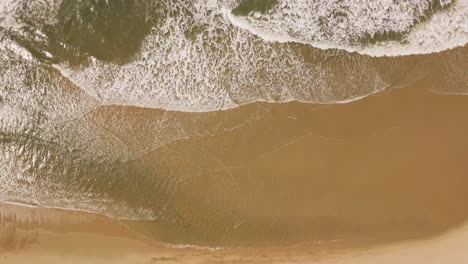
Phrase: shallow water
(152, 112)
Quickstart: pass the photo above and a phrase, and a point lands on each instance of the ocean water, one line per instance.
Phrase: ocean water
(93, 91)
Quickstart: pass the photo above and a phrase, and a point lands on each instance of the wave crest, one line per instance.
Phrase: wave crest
(377, 28)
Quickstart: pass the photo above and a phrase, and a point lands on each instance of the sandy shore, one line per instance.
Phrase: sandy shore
(49, 236)
(391, 168)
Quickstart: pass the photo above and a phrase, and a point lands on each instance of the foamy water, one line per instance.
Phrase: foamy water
(57, 143)
(417, 27)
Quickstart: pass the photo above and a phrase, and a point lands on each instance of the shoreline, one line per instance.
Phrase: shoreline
(65, 242)
(392, 149)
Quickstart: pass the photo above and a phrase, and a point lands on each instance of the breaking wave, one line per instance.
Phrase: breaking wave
(376, 28)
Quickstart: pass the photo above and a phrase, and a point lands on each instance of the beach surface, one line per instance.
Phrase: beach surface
(98, 240)
(397, 196)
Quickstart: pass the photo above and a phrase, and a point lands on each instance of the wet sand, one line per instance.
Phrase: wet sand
(94, 239)
(389, 167)
(380, 180)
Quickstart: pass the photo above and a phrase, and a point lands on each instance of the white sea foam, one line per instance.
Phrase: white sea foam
(220, 67)
(343, 25)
